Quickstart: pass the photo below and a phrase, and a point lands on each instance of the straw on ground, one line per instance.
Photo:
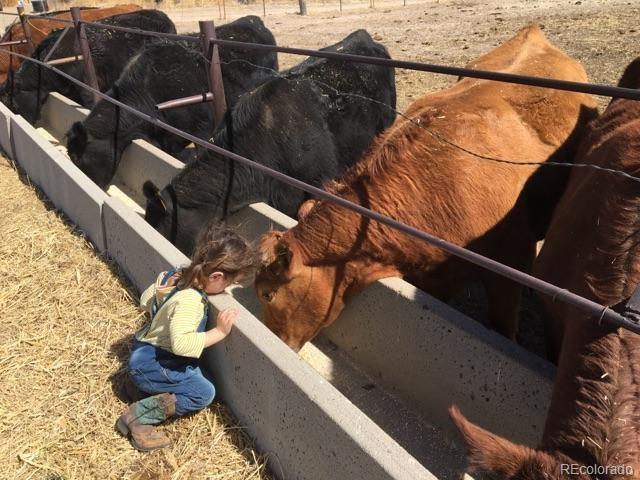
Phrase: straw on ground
(67, 320)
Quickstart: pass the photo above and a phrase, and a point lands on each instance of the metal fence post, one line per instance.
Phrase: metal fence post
(24, 21)
(214, 73)
(87, 61)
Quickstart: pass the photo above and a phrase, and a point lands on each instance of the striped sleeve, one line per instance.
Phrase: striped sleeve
(147, 297)
(185, 317)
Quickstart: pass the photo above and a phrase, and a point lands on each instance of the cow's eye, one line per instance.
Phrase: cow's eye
(268, 296)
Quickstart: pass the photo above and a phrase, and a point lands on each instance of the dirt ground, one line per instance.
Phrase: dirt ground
(604, 35)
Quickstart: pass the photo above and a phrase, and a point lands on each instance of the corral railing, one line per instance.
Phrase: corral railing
(601, 312)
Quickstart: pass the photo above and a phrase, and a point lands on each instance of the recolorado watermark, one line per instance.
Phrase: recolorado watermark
(591, 470)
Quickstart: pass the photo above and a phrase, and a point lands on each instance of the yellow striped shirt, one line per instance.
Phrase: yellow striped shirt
(174, 328)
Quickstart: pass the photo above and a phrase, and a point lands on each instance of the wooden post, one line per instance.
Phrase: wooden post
(219, 10)
(224, 9)
(85, 51)
(340, 6)
(214, 73)
(27, 30)
(264, 9)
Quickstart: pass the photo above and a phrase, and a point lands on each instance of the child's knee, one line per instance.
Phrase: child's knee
(202, 396)
(208, 394)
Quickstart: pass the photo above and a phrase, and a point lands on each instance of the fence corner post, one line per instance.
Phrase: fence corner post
(24, 21)
(214, 73)
(85, 51)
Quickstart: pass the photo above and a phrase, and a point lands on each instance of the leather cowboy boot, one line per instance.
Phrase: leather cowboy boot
(138, 420)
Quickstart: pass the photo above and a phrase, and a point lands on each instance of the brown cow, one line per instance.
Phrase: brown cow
(592, 249)
(417, 176)
(41, 27)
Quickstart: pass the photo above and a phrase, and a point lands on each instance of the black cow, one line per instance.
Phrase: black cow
(297, 124)
(110, 51)
(165, 71)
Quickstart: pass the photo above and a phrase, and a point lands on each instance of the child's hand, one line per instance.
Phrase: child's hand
(225, 320)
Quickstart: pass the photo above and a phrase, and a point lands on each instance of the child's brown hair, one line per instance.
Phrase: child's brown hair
(219, 249)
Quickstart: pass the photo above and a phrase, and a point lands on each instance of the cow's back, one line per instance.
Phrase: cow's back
(362, 97)
(41, 27)
(516, 123)
(598, 209)
(447, 144)
(529, 53)
(110, 50)
(243, 68)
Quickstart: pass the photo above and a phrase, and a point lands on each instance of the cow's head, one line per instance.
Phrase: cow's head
(177, 223)
(503, 459)
(91, 155)
(24, 103)
(297, 300)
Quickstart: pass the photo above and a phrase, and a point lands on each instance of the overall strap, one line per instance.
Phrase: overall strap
(154, 306)
(205, 316)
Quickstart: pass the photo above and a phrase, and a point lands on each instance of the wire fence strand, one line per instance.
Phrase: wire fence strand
(441, 138)
(596, 310)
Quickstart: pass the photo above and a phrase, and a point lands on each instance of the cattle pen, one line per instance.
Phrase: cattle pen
(115, 230)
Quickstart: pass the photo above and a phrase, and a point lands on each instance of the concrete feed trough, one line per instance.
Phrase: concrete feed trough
(374, 403)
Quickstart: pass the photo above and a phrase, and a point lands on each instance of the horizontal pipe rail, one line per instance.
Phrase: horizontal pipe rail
(580, 87)
(185, 101)
(594, 89)
(603, 313)
(62, 61)
(15, 42)
(58, 41)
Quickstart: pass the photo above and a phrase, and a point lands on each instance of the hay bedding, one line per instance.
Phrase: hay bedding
(67, 320)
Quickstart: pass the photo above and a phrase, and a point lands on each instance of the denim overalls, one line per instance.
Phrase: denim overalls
(155, 370)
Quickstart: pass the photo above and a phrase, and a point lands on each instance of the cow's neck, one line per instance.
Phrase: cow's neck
(335, 237)
(595, 407)
(218, 191)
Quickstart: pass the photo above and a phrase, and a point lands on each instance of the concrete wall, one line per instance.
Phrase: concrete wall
(134, 168)
(304, 425)
(5, 138)
(287, 407)
(65, 185)
(430, 354)
(59, 113)
(415, 346)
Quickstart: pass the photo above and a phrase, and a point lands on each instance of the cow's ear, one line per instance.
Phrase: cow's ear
(152, 194)
(487, 452)
(305, 208)
(275, 253)
(631, 76)
(149, 190)
(77, 139)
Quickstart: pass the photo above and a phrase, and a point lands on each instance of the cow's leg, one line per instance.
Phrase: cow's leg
(504, 302)
(504, 295)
